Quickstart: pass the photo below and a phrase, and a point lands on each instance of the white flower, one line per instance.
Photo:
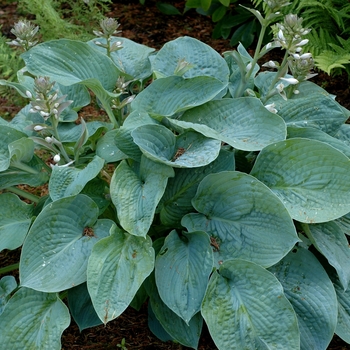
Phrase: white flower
(39, 128)
(249, 67)
(48, 139)
(305, 56)
(270, 64)
(56, 158)
(44, 114)
(271, 107)
(291, 81)
(29, 94)
(296, 92)
(303, 42)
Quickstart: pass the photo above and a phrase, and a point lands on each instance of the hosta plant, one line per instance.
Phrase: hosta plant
(212, 191)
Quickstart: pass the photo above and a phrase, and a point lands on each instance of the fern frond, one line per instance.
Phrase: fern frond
(329, 60)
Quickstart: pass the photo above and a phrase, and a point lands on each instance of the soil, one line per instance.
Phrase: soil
(146, 25)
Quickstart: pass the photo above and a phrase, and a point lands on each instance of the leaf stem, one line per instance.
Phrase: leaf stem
(23, 194)
(9, 268)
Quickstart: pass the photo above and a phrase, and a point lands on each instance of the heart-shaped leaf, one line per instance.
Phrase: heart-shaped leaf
(117, 267)
(311, 178)
(182, 271)
(243, 123)
(58, 245)
(243, 217)
(245, 308)
(39, 325)
(188, 150)
(136, 194)
(7, 285)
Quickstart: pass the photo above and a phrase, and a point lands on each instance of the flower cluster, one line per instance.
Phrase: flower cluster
(276, 5)
(25, 33)
(109, 28)
(46, 100)
(288, 34)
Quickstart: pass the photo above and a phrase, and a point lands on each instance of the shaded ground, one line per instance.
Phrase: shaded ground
(146, 25)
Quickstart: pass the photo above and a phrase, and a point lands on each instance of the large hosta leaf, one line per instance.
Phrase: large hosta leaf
(136, 193)
(244, 123)
(311, 178)
(243, 217)
(300, 110)
(33, 320)
(329, 239)
(69, 181)
(182, 271)
(15, 219)
(188, 150)
(107, 149)
(173, 94)
(205, 61)
(310, 291)
(176, 201)
(245, 308)
(58, 245)
(117, 267)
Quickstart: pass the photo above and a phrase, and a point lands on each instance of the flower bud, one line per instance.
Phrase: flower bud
(39, 128)
(291, 80)
(29, 94)
(56, 158)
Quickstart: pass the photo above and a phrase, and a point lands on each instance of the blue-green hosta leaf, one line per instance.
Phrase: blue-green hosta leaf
(311, 178)
(31, 174)
(136, 195)
(80, 305)
(155, 327)
(39, 325)
(245, 308)
(15, 219)
(343, 325)
(173, 94)
(68, 181)
(204, 59)
(7, 285)
(176, 201)
(7, 136)
(312, 107)
(243, 217)
(123, 137)
(117, 267)
(329, 239)
(79, 94)
(310, 291)
(58, 245)
(182, 271)
(107, 149)
(186, 334)
(70, 62)
(70, 132)
(317, 134)
(244, 123)
(343, 134)
(132, 59)
(188, 150)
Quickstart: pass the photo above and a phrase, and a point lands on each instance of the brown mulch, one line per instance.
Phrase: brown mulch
(146, 25)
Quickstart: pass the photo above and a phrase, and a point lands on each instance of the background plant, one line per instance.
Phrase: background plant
(225, 198)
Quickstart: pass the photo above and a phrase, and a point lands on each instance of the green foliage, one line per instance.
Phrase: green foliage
(218, 193)
(52, 17)
(330, 21)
